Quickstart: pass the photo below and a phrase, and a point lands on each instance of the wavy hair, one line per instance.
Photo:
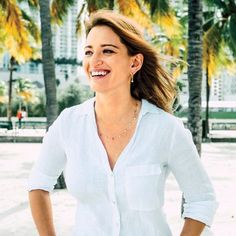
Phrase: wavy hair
(151, 82)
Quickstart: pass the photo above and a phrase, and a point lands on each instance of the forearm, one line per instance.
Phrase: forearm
(192, 227)
(41, 209)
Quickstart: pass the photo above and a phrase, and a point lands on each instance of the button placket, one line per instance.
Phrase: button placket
(116, 214)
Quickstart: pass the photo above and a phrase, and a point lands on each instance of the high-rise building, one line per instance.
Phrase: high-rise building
(65, 45)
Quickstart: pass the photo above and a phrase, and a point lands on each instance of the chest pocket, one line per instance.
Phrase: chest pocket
(141, 186)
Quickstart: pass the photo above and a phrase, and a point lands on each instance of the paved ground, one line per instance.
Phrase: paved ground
(16, 161)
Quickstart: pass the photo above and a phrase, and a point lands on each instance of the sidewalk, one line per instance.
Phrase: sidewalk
(16, 160)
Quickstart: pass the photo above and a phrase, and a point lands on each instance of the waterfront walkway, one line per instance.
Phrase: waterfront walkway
(16, 160)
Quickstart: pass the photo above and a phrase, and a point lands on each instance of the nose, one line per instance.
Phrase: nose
(96, 60)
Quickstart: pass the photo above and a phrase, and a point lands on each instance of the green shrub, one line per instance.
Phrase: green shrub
(74, 94)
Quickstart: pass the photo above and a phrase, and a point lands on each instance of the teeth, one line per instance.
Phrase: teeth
(95, 73)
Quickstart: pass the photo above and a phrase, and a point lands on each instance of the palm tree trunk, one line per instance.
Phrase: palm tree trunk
(49, 70)
(9, 106)
(207, 103)
(48, 62)
(194, 73)
(195, 70)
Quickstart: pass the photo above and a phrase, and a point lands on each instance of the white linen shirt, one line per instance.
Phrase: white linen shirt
(127, 200)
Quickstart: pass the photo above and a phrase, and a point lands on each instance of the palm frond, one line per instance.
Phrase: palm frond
(17, 40)
(212, 38)
(79, 20)
(31, 26)
(33, 4)
(3, 4)
(134, 10)
(218, 3)
(211, 47)
(59, 9)
(216, 50)
(158, 7)
(101, 4)
(162, 14)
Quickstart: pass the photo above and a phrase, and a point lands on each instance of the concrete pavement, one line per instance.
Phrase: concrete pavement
(16, 160)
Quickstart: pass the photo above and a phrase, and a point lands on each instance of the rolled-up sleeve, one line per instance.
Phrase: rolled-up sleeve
(51, 159)
(184, 162)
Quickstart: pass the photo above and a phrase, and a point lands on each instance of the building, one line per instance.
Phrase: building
(223, 88)
(65, 45)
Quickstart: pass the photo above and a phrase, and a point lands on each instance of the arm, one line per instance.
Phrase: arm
(43, 177)
(41, 209)
(192, 227)
(184, 162)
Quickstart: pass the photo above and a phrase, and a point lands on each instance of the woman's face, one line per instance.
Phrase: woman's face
(106, 61)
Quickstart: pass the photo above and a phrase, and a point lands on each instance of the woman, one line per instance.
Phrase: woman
(118, 148)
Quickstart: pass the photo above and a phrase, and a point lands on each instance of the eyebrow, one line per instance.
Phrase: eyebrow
(103, 45)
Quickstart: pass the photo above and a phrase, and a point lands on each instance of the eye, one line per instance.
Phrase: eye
(88, 53)
(108, 51)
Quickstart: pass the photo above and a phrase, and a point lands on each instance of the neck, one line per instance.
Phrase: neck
(113, 109)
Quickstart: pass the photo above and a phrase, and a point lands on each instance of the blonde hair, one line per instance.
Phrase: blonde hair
(151, 82)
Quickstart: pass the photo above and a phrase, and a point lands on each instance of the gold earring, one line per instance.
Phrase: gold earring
(132, 78)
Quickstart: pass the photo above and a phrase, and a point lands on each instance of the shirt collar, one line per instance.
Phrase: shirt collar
(148, 107)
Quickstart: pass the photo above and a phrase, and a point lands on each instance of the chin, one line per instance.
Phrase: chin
(98, 89)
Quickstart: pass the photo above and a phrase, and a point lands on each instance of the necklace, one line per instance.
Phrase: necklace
(124, 132)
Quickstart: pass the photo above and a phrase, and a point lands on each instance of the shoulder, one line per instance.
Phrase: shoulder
(159, 116)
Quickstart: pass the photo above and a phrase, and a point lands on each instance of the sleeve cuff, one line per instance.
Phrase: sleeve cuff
(38, 180)
(203, 211)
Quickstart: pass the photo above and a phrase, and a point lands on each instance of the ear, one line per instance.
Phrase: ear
(136, 63)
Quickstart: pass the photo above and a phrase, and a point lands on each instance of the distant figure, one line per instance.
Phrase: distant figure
(19, 117)
(21, 113)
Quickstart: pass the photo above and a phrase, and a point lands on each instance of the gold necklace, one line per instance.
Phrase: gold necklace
(124, 132)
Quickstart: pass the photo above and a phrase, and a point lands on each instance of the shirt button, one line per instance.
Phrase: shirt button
(114, 202)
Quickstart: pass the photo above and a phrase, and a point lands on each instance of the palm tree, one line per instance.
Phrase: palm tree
(16, 28)
(219, 40)
(25, 91)
(194, 60)
(59, 9)
(17, 31)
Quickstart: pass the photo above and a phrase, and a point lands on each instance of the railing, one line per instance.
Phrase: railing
(26, 123)
(41, 123)
(218, 124)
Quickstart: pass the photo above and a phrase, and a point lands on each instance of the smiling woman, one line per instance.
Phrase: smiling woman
(118, 148)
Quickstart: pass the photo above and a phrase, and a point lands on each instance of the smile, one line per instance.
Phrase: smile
(99, 74)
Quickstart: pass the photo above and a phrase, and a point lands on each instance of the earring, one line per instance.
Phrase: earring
(132, 78)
